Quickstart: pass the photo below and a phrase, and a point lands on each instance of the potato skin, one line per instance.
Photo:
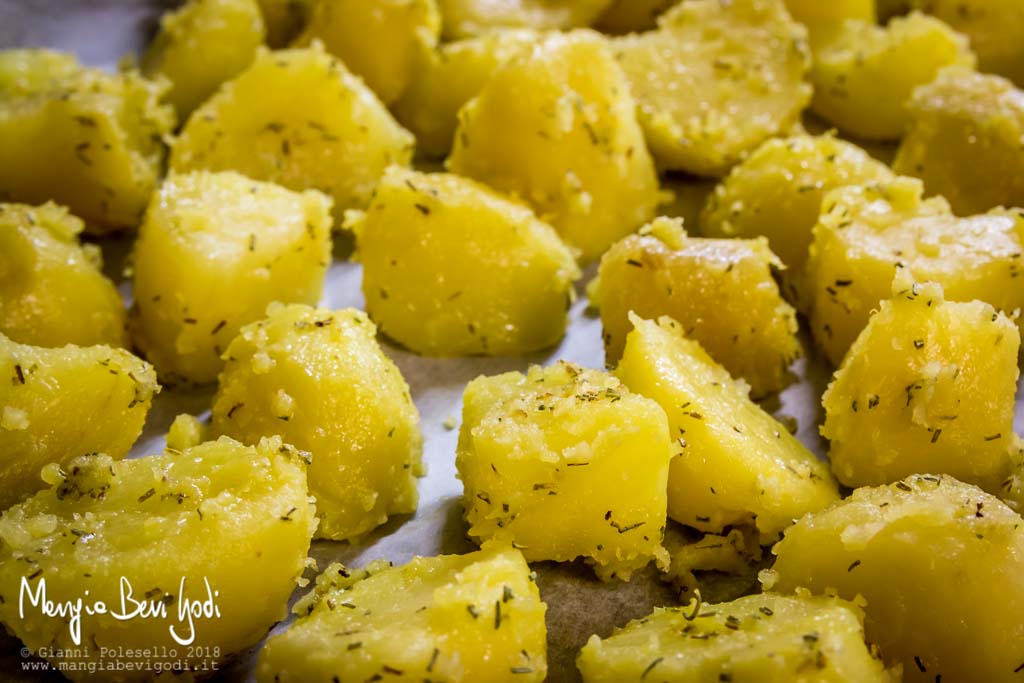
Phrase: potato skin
(929, 385)
(776, 192)
(81, 137)
(866, 231)
(323, 129)
(52, 289)
(720, 291)
(716, 80)
(939, 563)
(239, 517)
(579, 160)
(963, 141)
(764, 638)
(467, 18)
(319, 380)
(457, 618)
(733, 463)
(865, 75)
(213, 251)
(378, 40)
(541, 458)
(56, 404)
(507, 278)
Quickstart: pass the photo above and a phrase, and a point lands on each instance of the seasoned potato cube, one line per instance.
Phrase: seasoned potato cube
(507, 281)
(760, 638)
(52, 291)
(733, 463)
(928, 386)
(717, 79)
(776, 193)
(465, 18)
(631, 16)
(720, 291)
(542, 458)
(56, 404)
(214, 250)
(323, 129)
(201, 45)
(378, 40)
(825, 19)
(864, 77)
(964, 141)
(284, 19)
(319, 380)
(84, 138)
(219, 526)
(452, 618)
(939, 563)
(445, 80)
(733, 558)
(994, 28)
(557, 128)
(866, 231)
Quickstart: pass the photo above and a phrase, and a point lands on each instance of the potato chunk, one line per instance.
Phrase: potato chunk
(323, 129)
(319, 380)
(994, 28)
(733, 463)
(939, 563)
(201, 45)
(214, 250)
(445, 80)
(964, 141)
(716, 80)
(541, 457)
(720, 291)
(220, 524)
(507, 281)
(928, 386)
(52, 291)
(776, 192)
(864, 77)
(760, 638)
(57, 404)
(557, 128)
(866, 231)
(378, 40)
(79, 136)
(452, 618)
(465, 18)
(825, 19)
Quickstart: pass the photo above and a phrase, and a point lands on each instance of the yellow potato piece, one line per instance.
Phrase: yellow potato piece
(214, 250)
(964, 141)
(939, 563)
(776, 193)
(52, 290)
(716, 80)
(764, 638)
(449, 619)
(631, 16)
(466, 18)
(444, 80)
(86, 139)
(928, 386)
(733, 463)
(284, 19)
(866, 231)
(825, 19)
(994, 28)
(720, 291)
(734, 555)
(557, 128)
(378, 40)
(864, 77)
(507, 278)
(219, 522)
(201, 45)
(56, 404)
(319, 380)
(323, 129)
(543, 458)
